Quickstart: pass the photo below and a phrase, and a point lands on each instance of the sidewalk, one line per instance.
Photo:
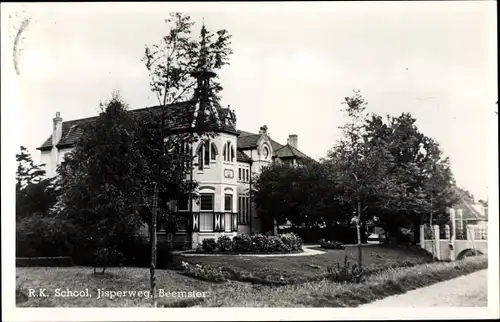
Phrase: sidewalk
(465, 291)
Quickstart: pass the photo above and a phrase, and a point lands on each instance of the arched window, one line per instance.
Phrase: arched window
(206, 151)
(213, 151)
(228, 152)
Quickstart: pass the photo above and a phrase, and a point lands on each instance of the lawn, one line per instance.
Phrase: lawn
(324, 293)
(286, 270)
(81, 278)
(298, 269)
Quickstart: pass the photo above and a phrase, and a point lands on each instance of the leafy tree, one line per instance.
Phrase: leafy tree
(171, 64)
(99, 182)
(358, 164)
(34, 192)
(27, 171)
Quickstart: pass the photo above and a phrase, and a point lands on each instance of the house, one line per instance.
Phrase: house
(223, 167)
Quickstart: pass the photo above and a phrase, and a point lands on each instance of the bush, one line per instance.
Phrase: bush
(43, 236)
(209, 245)
(330, 244)
(44, 261)
(138, 253)
(257, 243)
(346, 273)
(242, 243)
(205, 272)
(224, 244)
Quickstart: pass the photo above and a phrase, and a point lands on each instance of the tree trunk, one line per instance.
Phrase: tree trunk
(358, 229)
(153, 244)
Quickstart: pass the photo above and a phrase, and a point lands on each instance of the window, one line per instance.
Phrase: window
(213, 151)
(247, 174)
(227, 222)
(243, 210)
(228, 202)
(228, 152)
(183, 203)
(206, 221)
(239, 173)
(207, 202)
(206, 151)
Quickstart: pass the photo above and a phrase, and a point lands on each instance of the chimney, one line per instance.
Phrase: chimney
(293, 140)
(57, 131)
(263, 130)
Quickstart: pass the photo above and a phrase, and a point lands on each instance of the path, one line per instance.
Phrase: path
(307, 252)
(465, 291)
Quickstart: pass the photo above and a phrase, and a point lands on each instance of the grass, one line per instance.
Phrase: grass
(299, 269)
(81, 278)
(328, 294)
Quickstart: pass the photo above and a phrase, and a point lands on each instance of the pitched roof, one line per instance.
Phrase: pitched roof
(470, 209)
(288, 151)
(72, 130)
(242, 157)
(248, 140)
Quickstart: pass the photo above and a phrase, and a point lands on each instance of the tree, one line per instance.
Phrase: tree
(34, 192)
(171, 64)
(99, 179)
(299, 194)
(358, 164)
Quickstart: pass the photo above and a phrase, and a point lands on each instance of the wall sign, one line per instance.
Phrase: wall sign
(228, 173)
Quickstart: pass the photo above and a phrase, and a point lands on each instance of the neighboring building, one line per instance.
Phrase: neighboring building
(224, 168)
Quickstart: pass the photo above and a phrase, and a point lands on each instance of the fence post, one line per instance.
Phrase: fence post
(447, 231)
(453, 234)
(422, 236)
(437, 241)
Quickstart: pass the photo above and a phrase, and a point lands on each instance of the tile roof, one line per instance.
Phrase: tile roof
(288, 151)
(72, 130)
(242, 157)
(470, 209)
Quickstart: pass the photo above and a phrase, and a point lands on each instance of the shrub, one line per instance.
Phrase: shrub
(346, 273)
(209, 245)
(224, 244)
(330, 244)
(44, 261)
(205, 272)
(43, 236)
(242, 243)
(259, 241)
(105, 257)
(291, 242)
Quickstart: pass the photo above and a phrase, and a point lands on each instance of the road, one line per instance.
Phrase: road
(465, 291)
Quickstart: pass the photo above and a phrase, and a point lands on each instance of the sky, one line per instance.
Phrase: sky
(292, 66)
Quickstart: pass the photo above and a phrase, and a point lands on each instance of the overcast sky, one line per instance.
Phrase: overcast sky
(292, 66)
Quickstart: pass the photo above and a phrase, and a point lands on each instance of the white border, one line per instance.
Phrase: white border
(10, 95)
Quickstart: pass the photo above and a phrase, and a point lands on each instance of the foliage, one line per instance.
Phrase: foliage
(346, 273)
(61, 261)
(39, 235)
(224, 244)
(106, 256)
(299, 194)
(34, 192)
(209, 245)
(244, 243)
(331, 244)
(395, 172)
(257, 243)
(205, 272)
(101, 194)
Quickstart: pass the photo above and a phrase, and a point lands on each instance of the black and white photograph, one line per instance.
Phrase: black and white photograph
(305, 160)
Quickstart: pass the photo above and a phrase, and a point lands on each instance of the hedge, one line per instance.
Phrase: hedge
(256, 244)
(62, 261)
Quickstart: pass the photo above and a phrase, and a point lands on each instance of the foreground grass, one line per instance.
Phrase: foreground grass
(81, 278)
(327, 294)
(300, 269)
